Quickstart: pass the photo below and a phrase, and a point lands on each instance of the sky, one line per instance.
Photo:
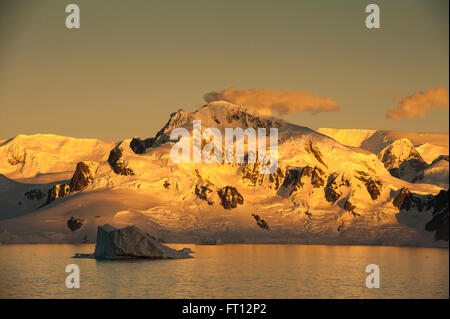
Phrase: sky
(132, 63)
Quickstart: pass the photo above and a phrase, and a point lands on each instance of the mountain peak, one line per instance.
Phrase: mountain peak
(402, 159)
(398, 152)
(222, 114)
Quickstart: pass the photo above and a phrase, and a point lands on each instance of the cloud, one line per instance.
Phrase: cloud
(419, 103)
(268, 101)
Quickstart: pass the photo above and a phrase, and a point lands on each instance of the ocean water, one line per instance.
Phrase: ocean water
(228, 271)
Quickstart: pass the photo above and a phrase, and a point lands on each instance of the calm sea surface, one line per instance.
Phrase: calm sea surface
(228, 271)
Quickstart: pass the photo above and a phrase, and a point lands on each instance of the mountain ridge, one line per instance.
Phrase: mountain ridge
(322, 192)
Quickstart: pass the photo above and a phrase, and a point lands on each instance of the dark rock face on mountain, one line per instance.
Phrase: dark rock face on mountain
(335, 181)
(74, 223)
(292, 182)
(162, 136)
(250, 120)
(57, 191)
(16, 154)
(118, 164)
(412, 201)
(230, 197)
(411, 167)
(318, 177)
(276, 179)
(204, 193)
(251, 173)
(139, 146)
(311, 149)
(295, 179)
(261, 222)
(408, 201)
(400, 198)
(439, 222)
(349, 207)
(331, 195)
(34, 194)
(82, 177)
(130, 242)
(373, 186)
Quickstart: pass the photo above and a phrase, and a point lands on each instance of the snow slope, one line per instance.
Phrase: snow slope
(430, 152)
(46, 157)
(429, 145)
(322, 193)
(437, 173)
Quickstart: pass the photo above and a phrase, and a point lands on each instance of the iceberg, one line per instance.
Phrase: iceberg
(131, 243)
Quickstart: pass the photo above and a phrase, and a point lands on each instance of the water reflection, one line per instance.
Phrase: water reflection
(228, 271)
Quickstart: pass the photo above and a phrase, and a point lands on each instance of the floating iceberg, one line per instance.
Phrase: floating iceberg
(130, 242)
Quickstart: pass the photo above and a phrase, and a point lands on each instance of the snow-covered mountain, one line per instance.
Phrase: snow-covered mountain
(429, 145)
(408, 156)
(46, 157)
(437, 173)
(323, 192)
(402, 160)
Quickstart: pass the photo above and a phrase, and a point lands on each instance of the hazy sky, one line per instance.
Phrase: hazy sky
(132, 63)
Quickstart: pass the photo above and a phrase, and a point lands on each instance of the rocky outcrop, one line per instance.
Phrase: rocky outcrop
(409, 169)
(412, 201)
(118, 164)
(331, 195)
(373, 186)
(247, 119)
(131, 242)
(292, 181)
(74, 223)
(230, 197)
(163, 135)
(438, 204)
(349, 207)
(204, 192)
(83, 176)
(400, 198)
(139, 146)
(439, 222)
(295, 179)
(16, 154)
(315, 151)
(251, 174)
(335, 181)
(261, 222)
(57, 191)
(316, 174)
